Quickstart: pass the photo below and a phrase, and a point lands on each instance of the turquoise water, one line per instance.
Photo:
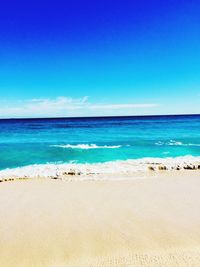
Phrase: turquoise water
(80, 140)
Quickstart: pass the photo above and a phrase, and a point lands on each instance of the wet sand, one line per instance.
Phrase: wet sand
(141, 222)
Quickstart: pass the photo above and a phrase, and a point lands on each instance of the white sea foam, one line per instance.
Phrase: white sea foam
(65, 171)
(192, 144)
(174, 143)
(170, 143)
(86, 146)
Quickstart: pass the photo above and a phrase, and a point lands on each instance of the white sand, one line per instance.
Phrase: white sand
(144, 222)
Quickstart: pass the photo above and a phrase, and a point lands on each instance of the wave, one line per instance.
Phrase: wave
(86, 146)
(120, 167)
(174, 143)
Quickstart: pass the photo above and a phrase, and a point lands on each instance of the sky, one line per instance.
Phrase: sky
(99, 58)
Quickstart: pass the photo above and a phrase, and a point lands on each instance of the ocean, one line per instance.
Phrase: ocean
(95, 140)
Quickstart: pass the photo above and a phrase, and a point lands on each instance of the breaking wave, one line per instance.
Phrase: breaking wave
(174, 143)
(86, 146)
(121, 167)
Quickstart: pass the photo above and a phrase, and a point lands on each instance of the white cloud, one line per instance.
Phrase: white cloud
(66, 106)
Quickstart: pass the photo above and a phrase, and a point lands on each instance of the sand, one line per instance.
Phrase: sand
(141, 222)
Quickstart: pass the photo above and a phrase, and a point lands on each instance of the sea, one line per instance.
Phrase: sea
(25, 142)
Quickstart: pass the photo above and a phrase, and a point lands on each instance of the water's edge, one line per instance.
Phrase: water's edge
(66, 171)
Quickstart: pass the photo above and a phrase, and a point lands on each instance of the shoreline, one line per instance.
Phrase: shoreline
(124, 168)
(112, 177)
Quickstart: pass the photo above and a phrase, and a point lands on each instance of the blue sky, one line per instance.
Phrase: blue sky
(87, 58)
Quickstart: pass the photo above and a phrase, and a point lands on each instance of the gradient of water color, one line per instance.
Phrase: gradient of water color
(90, 140)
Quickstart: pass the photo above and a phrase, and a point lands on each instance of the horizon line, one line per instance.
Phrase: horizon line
(108, 116)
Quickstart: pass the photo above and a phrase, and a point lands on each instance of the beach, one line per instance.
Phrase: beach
(153, 220)
(99, 134)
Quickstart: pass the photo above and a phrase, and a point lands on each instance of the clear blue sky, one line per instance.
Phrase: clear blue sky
(81, 58)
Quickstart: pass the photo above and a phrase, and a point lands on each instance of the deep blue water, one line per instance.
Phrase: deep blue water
(38, 141)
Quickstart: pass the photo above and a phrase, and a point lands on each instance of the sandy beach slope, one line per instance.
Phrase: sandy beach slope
(144, 222)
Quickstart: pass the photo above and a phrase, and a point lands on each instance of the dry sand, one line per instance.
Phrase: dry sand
(144, 222)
